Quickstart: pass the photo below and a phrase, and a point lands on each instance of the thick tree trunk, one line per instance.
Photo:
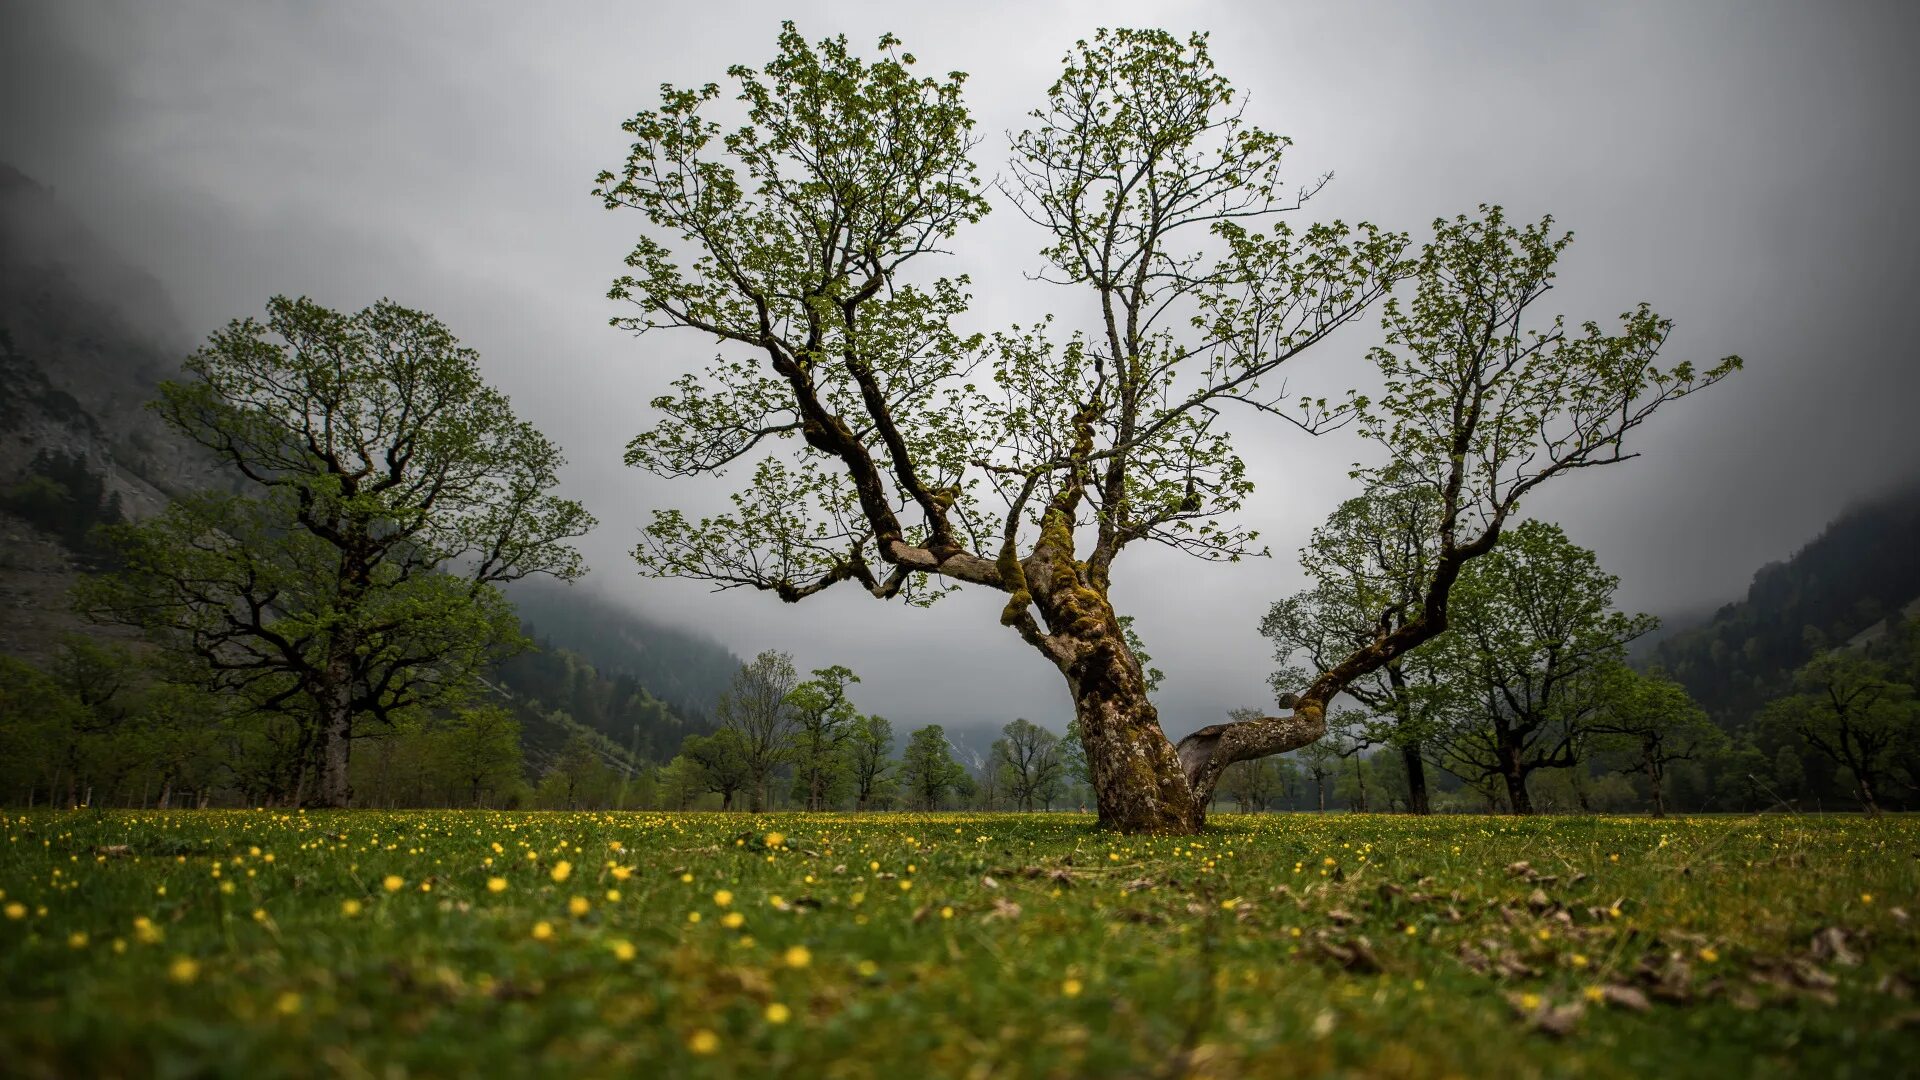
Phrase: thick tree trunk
(1417, 800)
(1517, 796)
(1138, 783)
(1654, 776)
(1867, 801)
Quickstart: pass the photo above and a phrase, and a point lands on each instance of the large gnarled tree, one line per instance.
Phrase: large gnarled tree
(932, 459)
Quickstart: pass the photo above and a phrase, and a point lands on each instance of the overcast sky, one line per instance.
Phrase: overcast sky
(1748, 168)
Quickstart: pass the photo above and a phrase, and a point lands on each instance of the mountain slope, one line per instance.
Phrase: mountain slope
(1858, 574)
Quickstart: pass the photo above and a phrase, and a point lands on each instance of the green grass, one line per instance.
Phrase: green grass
(1273, 945)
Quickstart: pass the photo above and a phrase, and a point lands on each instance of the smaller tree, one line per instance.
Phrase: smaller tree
(823, 721)
(1851, 711)
(1533, 636)
(477, 748)
(1320, 760)
(721, 763)
(1027, 756)
(1654, 721)
(927, 768)
(869, 761)
(758, 708)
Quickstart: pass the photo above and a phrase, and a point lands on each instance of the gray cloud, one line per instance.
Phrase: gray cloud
(1746, 167)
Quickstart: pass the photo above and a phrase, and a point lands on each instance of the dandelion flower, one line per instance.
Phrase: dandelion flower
(623, 950)
(543, 931)
(496, 884)
(77, 939)
(578, 906)
(723, 898)
(775, 839)
(778, 1013)
(394, 883)
(350, 908)
(183, 969)
(799, 956)
(703, 1042)
(1071, 988)
(16, 910)
(562, 870)
(733, 920)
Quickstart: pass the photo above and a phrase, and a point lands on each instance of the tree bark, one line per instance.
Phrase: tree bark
(1139, 783)
(1654, 776)
(1417, 800)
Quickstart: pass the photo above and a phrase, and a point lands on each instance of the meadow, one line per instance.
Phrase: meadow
(595, 944)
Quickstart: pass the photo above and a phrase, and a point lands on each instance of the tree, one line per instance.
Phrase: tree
(1371, 561)
(797, 240)
(387, 491)
(869, 760)
(1655, 721)
(758, 707)
(682, 780)
(1851, 711)
(1027, 756)
(478, 750)
(927, 768)
(823, 721)
(1320, 759)
(721, 763)
(1533, 642)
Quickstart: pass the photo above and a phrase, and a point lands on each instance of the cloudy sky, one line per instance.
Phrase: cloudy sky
(1746, 167)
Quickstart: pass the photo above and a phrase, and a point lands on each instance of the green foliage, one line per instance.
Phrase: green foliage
(389, 490)
(927, 769)
(1531, 651)
(1854, 712)
(824, 720)
(870, 766)
(1027, 762)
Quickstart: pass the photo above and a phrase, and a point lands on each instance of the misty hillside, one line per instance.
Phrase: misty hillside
(1859, 574)
(85, 341)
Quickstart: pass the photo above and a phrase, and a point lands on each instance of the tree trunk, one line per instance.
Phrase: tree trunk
(1867, 801)
(335, 738)
(1138, 784)
(1417, 801)
(1516, 778)
(1654, 776)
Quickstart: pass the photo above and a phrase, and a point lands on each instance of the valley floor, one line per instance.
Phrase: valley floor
(890, 945)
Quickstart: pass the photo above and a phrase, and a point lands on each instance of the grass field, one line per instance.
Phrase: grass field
(585, 944)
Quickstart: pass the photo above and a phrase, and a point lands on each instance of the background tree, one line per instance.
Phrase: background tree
(927, 769)
(870, 761)
(1370, 564)
(1027, 757)
(1852, 712)
(721, 763)
(682, 781)
(794, 239)
(1533, 640)
(1655, 723)
(388, 489)
(1320, 760)
(758, 708)
(477, 751)
(823, 721)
